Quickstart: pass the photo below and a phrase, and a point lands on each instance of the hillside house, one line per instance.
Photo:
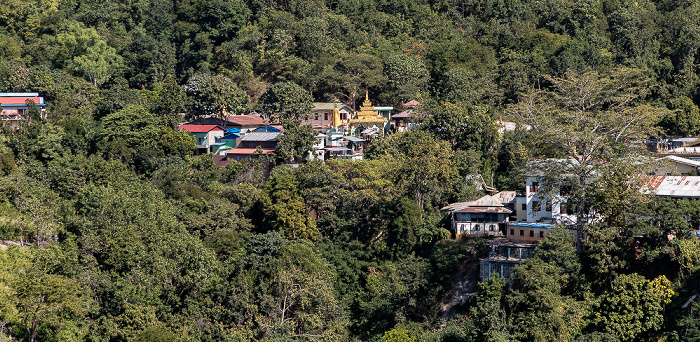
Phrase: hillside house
(13, 107)
(265, 140)
(485, 216)
(207, 137)
(322, 115)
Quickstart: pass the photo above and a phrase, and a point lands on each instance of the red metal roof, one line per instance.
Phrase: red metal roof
(19, 100)
(249, 151)
(200, 128)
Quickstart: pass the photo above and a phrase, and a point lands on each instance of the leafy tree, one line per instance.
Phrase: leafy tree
(634, 307)
(286, 101)
(407, 74)
(285, 210)
(216, 95)
(35, 300)
(590, 118)
(297, 140)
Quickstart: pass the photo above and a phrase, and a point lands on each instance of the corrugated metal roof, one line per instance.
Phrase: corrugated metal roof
(329, 106)
(20, 100)
(686, 161)
(200, 128)
(404, 115)
(486, 201)
(497, 210)
(245, 120)
(675, 186)
(261, 136)
(353, 139)
(249, 151)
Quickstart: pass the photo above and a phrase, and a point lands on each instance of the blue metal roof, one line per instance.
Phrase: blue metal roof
(233, 130)
(531, 225)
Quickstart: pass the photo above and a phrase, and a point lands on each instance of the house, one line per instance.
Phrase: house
(485, 216)
(241, 122)
(207, 137)
(13, 107)
(344, 147)
(264, 140)
(674, 165)
(404, 120)
(505, 256)
(550, 208)
(322, 115)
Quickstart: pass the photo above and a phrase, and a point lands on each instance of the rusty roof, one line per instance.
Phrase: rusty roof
(497, 210)
(674, 186)
(486, 201)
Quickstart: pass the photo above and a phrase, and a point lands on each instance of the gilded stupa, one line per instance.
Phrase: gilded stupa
(367, 116)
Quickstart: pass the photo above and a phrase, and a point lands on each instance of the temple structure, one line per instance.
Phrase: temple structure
(367, 117)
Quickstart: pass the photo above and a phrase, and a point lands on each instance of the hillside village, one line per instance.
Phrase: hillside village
(354, 171)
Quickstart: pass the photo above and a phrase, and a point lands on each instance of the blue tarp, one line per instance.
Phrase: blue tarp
(531, 225)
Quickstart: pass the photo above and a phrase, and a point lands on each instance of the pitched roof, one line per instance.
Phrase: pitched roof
(411, 103)
(404, 115)
(328, 105)
(249, 151)
(261, 136)
(675, 186)
(20, 99)
(685, 161)
(486, 201)
(497, 210)
(246, 120)
(200, 128)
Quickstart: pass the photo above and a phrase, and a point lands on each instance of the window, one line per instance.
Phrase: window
(491, 217)
(523, 206)
(532, 233)
(536, 206)
(522, 232)
(548, 206)
(562, 208)
(476, 228)
(512, 232)
(344, 116)
(491, 227)
(534, 187)
(541, 234)
(325, 116)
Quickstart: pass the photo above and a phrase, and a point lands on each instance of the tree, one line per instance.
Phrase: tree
(296, 141)
(216, 95)
(591, 119)
(285, 210)
(634, 307)
(286, 101)
(407, 74)
(463, 125)
(34, 299)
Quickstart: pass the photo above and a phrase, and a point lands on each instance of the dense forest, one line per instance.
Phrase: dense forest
(113, 230)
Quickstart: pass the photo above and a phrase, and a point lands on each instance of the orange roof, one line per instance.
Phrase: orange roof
(411, 103)
(200, 128)
(20, 100)
(249, 151)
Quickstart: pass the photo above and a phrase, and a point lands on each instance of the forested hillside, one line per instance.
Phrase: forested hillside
(113, 230)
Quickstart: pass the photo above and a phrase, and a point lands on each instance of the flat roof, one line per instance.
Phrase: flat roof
(531, 225)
